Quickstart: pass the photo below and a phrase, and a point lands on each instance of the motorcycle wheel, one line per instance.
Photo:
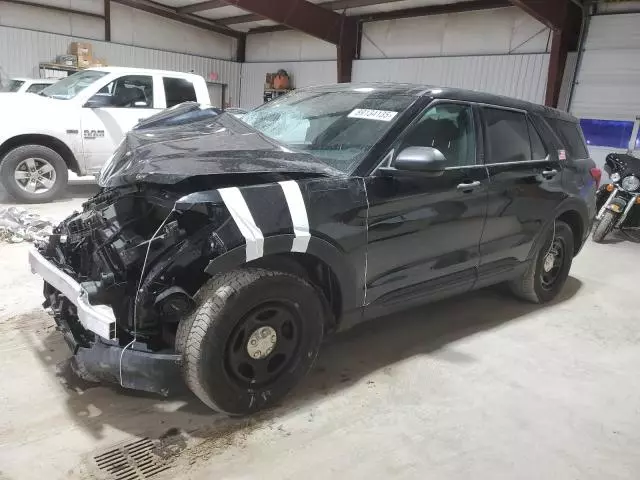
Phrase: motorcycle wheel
(604, 226)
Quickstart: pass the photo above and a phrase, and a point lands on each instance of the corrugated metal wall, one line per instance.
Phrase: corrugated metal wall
(129, 26)
(500, 31)
(608, 83)
(303, 74)
(287, 46)
(21, 51)
(519, 76)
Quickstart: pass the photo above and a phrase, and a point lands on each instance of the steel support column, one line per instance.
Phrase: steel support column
(340, 30)
(564, 18)
(107, 20)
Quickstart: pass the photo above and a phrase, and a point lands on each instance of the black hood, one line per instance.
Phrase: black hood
(215, 146)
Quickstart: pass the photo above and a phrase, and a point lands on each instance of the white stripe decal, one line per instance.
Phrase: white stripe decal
(299, 217)
(235, 203)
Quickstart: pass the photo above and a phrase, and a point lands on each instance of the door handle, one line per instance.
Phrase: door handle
(549, 173)
(468, 187)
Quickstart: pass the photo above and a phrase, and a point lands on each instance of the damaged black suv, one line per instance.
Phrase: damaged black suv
(219, 252)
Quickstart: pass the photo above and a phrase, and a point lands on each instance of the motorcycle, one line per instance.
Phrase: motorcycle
(615, 201)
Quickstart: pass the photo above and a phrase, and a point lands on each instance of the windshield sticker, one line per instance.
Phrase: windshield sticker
(381, 115)
(562, 155)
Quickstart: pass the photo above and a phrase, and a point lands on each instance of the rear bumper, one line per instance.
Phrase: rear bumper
(97, 354)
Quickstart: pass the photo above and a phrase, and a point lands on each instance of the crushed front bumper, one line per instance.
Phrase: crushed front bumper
(103, 359)
(98, 319)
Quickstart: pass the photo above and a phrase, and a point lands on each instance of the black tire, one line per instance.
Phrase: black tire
(604, 226)
(208, 339)
(531, 286)
(14, 160)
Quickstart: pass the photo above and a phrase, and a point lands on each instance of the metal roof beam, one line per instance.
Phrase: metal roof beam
(460, 7)
(173, 14)
(548, 12)
(54, 8)
(333, 5)
(303, 16)
(199, 7)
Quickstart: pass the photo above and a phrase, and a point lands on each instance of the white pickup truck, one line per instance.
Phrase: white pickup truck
(76, 123)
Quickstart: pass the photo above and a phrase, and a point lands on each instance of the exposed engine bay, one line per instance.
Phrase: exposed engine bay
(119, 232)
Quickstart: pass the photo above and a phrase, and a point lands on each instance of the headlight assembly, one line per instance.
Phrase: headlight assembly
(631, 183)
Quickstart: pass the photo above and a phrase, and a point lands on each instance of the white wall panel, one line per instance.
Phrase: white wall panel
(35, 18)
(142, 29)
(519, 76)
(128, 26)
(35, 47)
(287, 46)
(501, 31)
(608, 83)
(303, 74)
(614, 31)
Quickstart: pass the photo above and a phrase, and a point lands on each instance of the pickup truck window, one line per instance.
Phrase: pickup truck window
(69, 87)
(130, 91)
(12, 86)
(37, 87)
(178, 90)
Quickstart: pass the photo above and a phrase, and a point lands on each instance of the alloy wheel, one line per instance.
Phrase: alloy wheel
(35, 175)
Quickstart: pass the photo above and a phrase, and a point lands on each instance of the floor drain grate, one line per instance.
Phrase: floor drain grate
(131, 461)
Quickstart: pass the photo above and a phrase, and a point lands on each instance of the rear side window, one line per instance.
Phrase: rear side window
(538, 150)
(507, 136)
(570, 136)
(178, 90)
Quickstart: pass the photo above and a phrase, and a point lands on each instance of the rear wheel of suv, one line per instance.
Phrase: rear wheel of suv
(253, 336)
(547, 274)
(33, 174)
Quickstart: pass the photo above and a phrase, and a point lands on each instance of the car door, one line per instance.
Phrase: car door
(113, 111)
(424, 231)
(525, 189)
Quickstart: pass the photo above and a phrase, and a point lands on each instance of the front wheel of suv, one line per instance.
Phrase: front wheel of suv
(253, 336)
(548, 272)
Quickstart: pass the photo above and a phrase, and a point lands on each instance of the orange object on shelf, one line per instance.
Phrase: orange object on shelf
(281, 80)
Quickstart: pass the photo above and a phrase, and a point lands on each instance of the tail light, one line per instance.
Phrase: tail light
(596, 173)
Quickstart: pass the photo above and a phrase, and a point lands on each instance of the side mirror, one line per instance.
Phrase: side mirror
(98, 101)
(418, 160)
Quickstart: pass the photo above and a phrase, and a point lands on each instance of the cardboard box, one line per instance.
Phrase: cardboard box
(84, 62)
(81, 49)
(99, 62)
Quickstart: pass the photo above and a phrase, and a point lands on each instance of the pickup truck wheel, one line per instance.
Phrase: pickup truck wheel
(33, 174)
(547, 274)
(253, 336)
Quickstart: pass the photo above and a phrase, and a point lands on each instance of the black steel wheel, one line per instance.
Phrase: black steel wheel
(548, 270)
(263, 343)
(552, 263)
(253, 336)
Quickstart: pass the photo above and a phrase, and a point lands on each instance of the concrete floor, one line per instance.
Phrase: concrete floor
(481, 386)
